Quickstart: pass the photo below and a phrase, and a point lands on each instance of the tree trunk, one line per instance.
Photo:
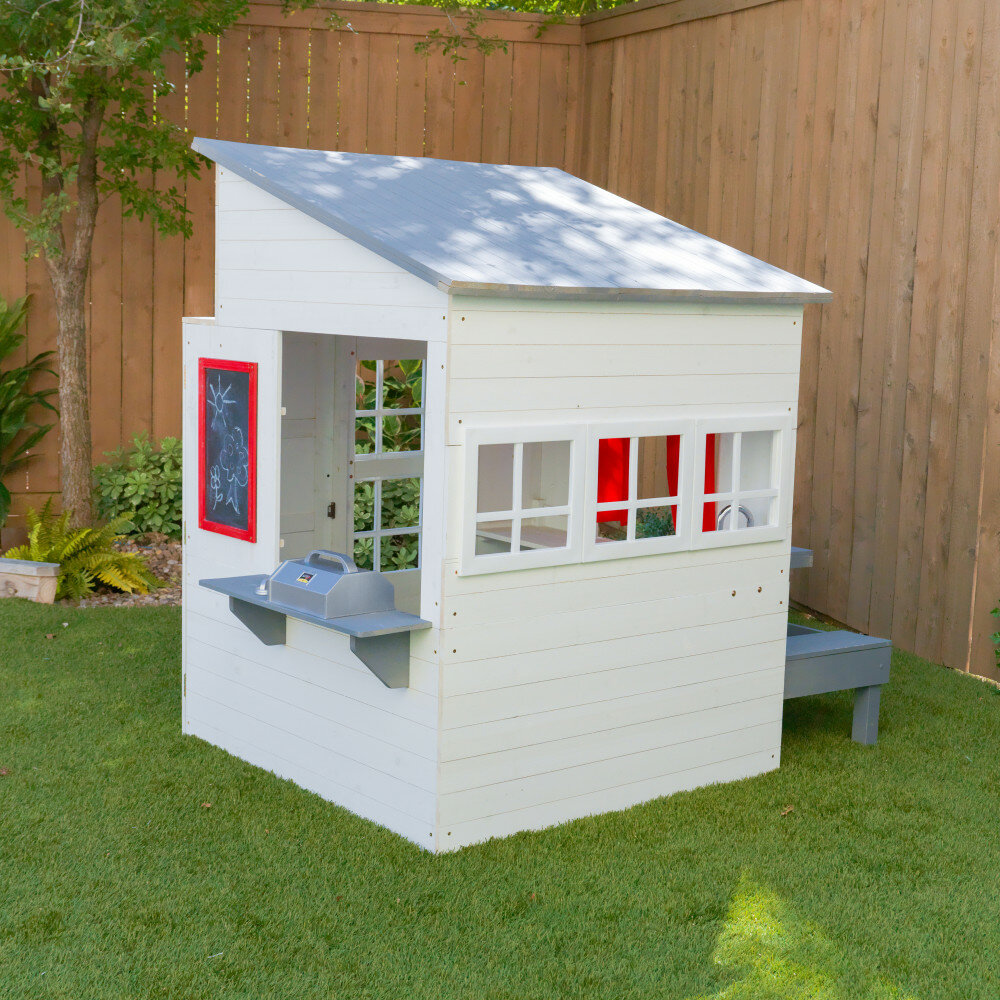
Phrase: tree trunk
(70, 287)
(68, 263)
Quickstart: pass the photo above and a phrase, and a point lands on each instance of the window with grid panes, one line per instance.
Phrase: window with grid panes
(388, 464)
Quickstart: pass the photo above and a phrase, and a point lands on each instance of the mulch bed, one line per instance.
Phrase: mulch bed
(163, 557)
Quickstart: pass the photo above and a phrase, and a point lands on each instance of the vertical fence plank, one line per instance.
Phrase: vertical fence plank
(855, 259)
(410, 94)
(439, 125)
(720, 89)
(293, 88)
(689, 148)
(747, 128)
(168, 274)
(673, 141)
(828, 401)
(469, 78)
(815, 234)
(899, 292)
(524, 104)
(875, 316)
(264, 85)
(199, 249)
(353, 91)
(106, 329)
(324, 104)
(786, 41)
(704, 45)
(974, 466)
(574, 108)
(552, 117)
(773, 97)
(234, 71)
(137, 326)
(808, 67)
(942, 487)
(382, 69)
(926, 296)
(41, 476)
(594, 141)
(497, 85)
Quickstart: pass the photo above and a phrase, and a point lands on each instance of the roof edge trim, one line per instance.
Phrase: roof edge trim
(208, 148)
(562, 292)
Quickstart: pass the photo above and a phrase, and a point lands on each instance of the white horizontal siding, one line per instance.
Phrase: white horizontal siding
(636, 665)
(575, 689)
(333, 255)
(574, 806)
(612, 743)
(633, 395)
(571, 629)
(404, 776)
(324, 288)
(556, 589)
(277, 267)
(320, 714)
(607, 776)
(563, 711)
(274, 758)
(530, 362)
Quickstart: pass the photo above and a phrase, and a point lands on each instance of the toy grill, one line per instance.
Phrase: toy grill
(327, 589)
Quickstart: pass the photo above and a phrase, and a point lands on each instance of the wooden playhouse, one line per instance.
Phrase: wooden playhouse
(562, 427)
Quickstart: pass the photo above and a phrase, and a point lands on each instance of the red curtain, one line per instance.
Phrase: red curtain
(612, 473)
(708, 515)
(612, 477)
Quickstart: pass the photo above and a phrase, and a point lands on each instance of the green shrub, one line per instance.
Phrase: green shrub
(400, 509)
(654, 522)
(143, 485)
(18, 433)
(85, 555)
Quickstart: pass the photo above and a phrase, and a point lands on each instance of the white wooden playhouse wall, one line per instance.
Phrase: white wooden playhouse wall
(277, 268)
(578, 689)
(307, 710)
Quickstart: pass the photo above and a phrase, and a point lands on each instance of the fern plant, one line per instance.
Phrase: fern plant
(86, 556)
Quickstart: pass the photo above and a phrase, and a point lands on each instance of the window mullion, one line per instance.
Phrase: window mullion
(515, 526)
(734, 515)
(633, 486)
(377, 526)
(378, 406)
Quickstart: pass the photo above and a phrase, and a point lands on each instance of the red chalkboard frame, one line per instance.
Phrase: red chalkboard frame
(206, 365)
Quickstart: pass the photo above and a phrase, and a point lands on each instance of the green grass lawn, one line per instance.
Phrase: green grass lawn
(882, 881)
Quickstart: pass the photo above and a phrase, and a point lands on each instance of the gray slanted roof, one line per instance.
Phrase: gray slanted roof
(483, 229)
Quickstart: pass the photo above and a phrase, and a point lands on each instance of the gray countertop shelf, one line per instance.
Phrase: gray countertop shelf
(380, 639)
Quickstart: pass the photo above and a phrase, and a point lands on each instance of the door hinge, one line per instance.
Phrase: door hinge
(331, 509)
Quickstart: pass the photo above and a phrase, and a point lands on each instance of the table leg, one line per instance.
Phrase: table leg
(866, 701)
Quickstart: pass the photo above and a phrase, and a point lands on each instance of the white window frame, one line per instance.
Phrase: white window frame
(782, 469)
(594, 550)
(494, 562)
(380, 466)
(381, 411)
(378, 532)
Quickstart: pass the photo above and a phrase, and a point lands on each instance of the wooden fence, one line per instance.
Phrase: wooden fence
(854, 143)
(851, 141)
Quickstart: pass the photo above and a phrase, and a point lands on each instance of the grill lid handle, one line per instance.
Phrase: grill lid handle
(318, 556)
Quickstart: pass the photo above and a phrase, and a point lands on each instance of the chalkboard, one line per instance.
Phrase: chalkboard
(227, 447)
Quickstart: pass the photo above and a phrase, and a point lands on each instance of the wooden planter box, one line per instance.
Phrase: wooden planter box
(35, 581)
